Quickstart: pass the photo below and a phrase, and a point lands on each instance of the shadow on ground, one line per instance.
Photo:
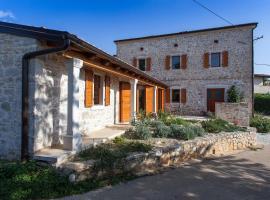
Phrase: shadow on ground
(237, 177)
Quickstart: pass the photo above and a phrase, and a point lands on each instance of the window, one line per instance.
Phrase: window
(97, 90)
(176, 96)
(142, 64)
(215, 59)
(175, 62)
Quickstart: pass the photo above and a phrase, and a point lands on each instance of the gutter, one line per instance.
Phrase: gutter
(25, 91)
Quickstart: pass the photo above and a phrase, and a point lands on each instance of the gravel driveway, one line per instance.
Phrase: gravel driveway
(245, 175)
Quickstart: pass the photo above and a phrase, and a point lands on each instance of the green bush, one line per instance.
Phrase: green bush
(219, 125)
(262, 103)
(261, 123)
(186, 132)
(162, 131)
(142, 131)
(234, 95)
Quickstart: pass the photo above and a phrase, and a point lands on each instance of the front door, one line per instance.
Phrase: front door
(214, 95)
(125, 101)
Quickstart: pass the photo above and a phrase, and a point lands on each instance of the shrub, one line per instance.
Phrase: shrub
(186, 132)
(156, 123)
(162, 131)
(262, 103)
(261, 123)
(142, 131)
(234, 95)
(218, 125)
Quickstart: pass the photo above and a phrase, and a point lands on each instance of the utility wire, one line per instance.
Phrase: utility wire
(203, 6)
(262, 64)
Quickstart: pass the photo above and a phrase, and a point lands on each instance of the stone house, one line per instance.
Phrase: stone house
(56, 89)
(199, 66)
(262, 83)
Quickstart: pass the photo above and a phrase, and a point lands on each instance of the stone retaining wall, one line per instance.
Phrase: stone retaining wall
(237, 113)
(160, 157)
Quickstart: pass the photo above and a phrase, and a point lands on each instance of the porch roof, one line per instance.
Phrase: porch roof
(79, 48)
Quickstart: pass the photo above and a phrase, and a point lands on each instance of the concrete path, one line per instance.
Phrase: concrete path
(243, 176)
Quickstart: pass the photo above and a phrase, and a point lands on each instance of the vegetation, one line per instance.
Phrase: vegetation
(234, 95)
(162, 131)
(261, 123)
(142, 131)
(30, 180)
(262, 103)
(219, 125)
(186, 132)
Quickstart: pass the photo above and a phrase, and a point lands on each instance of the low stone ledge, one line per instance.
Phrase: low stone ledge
(161, 157)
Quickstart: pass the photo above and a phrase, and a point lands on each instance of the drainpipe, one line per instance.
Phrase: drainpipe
(25, 91)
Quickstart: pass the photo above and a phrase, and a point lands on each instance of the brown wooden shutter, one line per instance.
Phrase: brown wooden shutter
(225, 59)
(163, 100)
(134, 62)
(88, 89)
(184, 61)
(107, 90)
(167, 62)
(206, 60)
(168, 95)
(148, 64)
(183, 95)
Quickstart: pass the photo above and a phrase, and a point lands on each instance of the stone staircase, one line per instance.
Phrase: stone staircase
(57, 155)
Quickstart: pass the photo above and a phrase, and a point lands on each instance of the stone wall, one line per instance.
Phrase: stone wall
(12, 49)
(195, 78)
(49, 103)
(237, 113)
(170, 155)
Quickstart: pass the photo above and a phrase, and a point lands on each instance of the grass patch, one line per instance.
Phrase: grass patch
(219, 125)
(30, 180)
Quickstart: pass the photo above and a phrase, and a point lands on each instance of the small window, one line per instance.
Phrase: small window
(175, 62)
(175, 95)
(97, 90)
(215, 59)
(142, 64)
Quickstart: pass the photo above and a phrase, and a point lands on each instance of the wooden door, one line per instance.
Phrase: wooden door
(149, 98)
(125, 101)
(159, 100)
(214, 95)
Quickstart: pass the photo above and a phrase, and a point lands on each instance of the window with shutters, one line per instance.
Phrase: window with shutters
(175, 62)
(142, 64)
(175, 95)
(215, 59)
(98, 90)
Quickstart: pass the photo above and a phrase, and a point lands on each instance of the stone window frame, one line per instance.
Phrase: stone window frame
(141, 58)
(102, 98)
(220, 59)
(171, 61)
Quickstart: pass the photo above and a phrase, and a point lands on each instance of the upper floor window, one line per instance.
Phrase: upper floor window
(215, 59)
(142, 64)
(175, 95)
(97, 90)
(175, 62)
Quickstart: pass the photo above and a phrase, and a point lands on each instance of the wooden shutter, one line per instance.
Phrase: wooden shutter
(149, 93)
(167, 62)
(168, 95)
(184, 61)
(88, 89)
(183, 95)
(107, 90)
(134, 62)
(206, 60)
(163, 100)
(225, 59)
(148, 64)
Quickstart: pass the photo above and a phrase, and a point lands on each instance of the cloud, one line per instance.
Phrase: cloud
(6, 15)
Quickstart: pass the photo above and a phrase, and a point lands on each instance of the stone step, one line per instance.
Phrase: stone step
(53, 156)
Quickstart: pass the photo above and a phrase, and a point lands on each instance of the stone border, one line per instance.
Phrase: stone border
(161, 157)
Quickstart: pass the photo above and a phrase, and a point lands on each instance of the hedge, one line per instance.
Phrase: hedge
(262, 103)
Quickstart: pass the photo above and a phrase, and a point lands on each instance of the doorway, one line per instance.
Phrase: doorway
(214, 95)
